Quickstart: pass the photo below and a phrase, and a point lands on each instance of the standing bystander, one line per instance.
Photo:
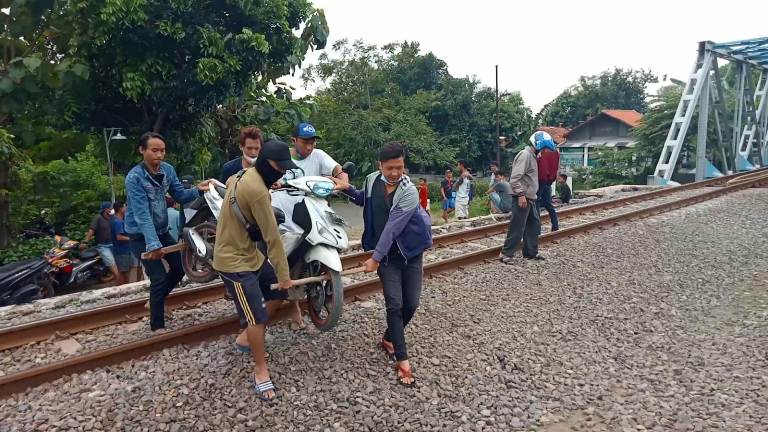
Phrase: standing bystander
(524, 221)
(423, 194)
(101, 230)
(548, 163)
(463, 188)
(126, 262)
(448, 194)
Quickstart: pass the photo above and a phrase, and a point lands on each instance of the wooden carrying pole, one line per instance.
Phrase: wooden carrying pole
(168, 249)
(325, 277)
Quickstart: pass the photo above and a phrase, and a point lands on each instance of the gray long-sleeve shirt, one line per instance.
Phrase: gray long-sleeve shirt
(524, 177)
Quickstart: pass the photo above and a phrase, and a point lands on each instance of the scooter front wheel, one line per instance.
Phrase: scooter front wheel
(325, 300)
(196, 269)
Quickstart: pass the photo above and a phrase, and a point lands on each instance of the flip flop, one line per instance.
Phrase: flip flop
(263, 387)
(388, 348)
(403, 373)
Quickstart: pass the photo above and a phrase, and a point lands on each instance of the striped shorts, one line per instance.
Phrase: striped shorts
(250, 297)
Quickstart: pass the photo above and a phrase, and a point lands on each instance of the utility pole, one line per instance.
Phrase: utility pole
(498, 126)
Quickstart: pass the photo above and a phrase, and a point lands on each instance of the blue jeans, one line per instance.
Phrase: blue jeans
(161, 283)
(106, 254)
(544, 198)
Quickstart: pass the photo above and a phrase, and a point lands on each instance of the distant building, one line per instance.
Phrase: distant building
(608, 129)
(557, 133)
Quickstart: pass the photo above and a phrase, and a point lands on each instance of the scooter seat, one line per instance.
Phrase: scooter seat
(11, 269)
(89, 253)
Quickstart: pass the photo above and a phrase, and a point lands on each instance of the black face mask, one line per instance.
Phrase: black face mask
(269, 174)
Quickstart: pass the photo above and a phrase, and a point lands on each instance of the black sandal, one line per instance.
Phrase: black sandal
(264, 387)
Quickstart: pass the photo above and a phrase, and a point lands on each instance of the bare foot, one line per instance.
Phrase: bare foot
(297, 319)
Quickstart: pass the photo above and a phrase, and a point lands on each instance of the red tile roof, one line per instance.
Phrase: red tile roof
(630, 117)
(558, 133)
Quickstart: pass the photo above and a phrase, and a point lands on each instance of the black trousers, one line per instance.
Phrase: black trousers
(161, 283)
(401, 283)
(524, 224)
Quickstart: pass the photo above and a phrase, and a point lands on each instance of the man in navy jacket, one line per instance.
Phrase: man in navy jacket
(398, 231)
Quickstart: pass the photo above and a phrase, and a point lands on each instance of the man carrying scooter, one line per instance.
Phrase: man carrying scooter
(313, 162)
(246, 207)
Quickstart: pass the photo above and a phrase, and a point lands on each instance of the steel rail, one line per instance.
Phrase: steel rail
(18, 382)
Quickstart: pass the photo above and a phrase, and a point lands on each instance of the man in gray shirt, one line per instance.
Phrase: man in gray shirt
(524, 220)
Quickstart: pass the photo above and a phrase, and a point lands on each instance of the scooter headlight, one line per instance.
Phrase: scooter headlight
(321, 188)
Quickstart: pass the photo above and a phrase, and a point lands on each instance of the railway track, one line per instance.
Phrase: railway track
(19, 335)
(133, 310)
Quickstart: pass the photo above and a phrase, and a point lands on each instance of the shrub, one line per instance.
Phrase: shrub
(20, 250)
(72, 189)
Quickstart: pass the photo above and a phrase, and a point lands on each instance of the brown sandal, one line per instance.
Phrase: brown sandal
(404, 374)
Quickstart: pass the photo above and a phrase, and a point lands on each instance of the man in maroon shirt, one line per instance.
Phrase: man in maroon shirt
(548, 161)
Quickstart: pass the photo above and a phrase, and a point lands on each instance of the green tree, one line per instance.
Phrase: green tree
(173, 66)
(398, 93)
(616, 89)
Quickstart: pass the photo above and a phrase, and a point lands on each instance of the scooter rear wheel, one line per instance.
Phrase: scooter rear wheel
(197, 270)
(325, 300)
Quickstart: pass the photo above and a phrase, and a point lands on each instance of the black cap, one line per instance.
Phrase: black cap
(277, 151)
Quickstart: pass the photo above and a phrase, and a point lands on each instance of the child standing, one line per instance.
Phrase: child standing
(423, 194)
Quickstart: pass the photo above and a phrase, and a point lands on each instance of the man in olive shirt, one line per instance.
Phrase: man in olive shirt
(237, 257)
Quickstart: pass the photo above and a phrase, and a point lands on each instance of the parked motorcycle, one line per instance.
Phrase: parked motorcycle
(314, 252)
(71, 268)
(24, 281)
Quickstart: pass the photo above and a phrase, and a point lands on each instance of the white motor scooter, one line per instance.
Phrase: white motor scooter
(313, 252)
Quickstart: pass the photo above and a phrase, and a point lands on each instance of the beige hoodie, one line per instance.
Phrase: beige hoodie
(524, 177)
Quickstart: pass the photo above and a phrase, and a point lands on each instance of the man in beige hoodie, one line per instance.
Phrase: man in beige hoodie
(524, 220)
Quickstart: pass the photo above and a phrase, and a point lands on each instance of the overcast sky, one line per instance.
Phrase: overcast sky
(543, 46)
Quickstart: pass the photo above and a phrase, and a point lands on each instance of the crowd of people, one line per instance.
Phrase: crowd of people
(397, 228)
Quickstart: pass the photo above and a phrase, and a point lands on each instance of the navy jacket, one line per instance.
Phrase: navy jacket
(409, 226)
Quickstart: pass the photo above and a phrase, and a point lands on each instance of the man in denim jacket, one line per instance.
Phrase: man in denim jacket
(146, 221)
(398, 231)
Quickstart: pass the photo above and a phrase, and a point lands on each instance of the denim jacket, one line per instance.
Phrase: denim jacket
(147, 213)
(408, 225)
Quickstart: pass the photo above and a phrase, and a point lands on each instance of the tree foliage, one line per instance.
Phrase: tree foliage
(193, 70)
(616, 89)
(395, 92)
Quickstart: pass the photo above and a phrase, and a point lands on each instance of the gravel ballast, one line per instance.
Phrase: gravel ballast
(660, 324)
(80, 301)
